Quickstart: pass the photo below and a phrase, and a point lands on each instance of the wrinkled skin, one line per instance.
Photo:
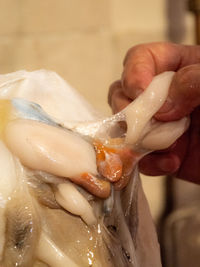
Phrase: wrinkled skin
(141, 64)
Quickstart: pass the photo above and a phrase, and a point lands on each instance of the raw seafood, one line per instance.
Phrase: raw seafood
(52, 204)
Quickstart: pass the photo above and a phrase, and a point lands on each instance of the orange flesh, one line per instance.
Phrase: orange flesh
(94, 185)
(129, 159)
(108, 162)
(115, 164)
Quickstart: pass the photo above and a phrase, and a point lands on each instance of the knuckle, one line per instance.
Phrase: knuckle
(115, 86)
(133, 50)
(129, 87)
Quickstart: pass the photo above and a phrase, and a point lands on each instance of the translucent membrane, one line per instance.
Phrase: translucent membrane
(74, 185)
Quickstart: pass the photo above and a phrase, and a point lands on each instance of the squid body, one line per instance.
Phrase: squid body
(53, 167)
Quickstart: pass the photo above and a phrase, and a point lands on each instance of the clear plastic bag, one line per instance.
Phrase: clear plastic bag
(73, 195)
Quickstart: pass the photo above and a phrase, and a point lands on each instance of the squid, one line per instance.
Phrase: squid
(68, 199)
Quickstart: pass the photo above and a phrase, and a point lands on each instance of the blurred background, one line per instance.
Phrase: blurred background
(85, 42)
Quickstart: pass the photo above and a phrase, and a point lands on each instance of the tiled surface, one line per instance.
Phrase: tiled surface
(9, 16)
(84, 60)
(190, 30)
(61, 15)
(85, 42)
(123, 41)
(8, 53)
(140, 15)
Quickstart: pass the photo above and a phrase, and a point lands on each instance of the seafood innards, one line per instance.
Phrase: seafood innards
(70, 194)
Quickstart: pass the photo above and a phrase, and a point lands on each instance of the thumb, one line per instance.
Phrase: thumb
(184, 94)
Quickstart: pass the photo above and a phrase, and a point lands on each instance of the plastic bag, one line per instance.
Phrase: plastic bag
(58, 208)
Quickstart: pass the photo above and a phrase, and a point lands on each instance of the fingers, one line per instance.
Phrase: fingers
(184, 94)
(182, 159)
(190, 168)
(142, 62)
(159, 164)
(167, 161)
(116, 98)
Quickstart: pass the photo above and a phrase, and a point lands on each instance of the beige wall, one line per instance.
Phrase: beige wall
(85, 42)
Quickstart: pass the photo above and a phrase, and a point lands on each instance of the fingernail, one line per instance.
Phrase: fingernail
(168, 105)
(168, 165)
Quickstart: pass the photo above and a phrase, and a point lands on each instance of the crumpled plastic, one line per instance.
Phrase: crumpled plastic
(65, 106)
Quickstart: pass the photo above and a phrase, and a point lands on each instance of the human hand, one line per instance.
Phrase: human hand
(141, 64)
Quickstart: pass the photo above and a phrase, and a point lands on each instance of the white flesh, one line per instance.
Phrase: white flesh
(73, 201)
(8, 182)
(47, 148)
(49, 253)
(62, 153)
(165, 134)
(150, 134)
(142, 109)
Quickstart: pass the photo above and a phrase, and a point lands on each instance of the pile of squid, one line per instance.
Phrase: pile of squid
(62, 181)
